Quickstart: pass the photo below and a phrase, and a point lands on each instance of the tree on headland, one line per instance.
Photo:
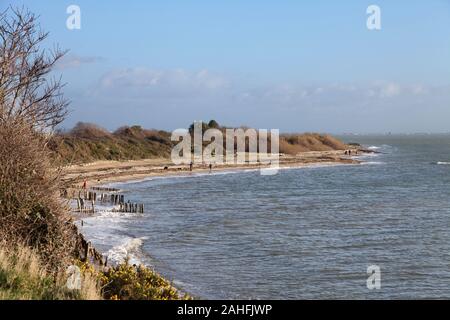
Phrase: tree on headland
(213, 124)
(205, 126)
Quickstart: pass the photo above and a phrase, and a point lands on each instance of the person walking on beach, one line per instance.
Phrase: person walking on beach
(85, 185)
(210, 167)
(190, 166)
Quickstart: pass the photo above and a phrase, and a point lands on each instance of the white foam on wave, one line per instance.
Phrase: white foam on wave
(105, 229)
(130, 249)
(373, 162)
(443, 163)
(110, 213)
(383, 148)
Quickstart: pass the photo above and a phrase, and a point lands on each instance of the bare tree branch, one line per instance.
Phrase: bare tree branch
(26, 88)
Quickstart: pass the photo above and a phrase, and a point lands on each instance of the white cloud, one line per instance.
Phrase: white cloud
(145, 82)
(74, 61)
(180, 96)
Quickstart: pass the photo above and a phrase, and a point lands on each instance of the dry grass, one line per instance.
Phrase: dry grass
(297, 143)
(88, 142)
(31, 105)
(30, 210)
(23, 277)
(89, 131)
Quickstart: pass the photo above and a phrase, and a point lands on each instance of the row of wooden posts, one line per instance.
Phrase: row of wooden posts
(104, 189)
(114, 199)
(130, 208)
(84, 207)
(86, 201)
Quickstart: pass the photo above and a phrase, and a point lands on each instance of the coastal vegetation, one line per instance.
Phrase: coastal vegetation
(88, 142)
(39, 243)
(128, 282)
(23, 276)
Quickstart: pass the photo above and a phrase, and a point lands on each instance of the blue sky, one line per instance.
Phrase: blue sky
(292, 65)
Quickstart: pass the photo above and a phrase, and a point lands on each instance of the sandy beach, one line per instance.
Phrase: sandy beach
(102, 172)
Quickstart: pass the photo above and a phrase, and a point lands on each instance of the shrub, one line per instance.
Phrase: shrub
(31, 105)
(128, 282)
(89, 130)
(30, 210)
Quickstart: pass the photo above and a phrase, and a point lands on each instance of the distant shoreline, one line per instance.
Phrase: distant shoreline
(104, 172)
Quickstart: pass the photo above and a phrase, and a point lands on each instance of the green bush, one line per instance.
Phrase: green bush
(127, 282)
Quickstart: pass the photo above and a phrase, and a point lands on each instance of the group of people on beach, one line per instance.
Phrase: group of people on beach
(191, 165)
(349, 152)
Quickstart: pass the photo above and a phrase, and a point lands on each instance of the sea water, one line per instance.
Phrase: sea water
(306, 233)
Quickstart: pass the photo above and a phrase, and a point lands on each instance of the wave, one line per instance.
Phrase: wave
(373, 162)
(129, 249)
(443, 163)
(110, 213)
(383, 148)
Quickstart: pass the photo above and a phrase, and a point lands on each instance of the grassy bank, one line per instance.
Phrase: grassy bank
(88, 142)
(23, 276)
